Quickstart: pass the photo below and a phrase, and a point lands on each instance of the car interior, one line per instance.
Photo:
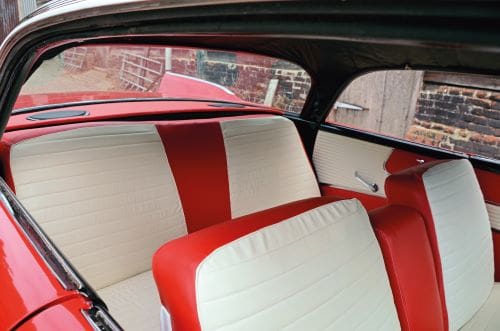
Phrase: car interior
(207, 214)
(238, 197)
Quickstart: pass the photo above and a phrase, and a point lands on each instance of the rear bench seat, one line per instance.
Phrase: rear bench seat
(318, 269)
(108, 195)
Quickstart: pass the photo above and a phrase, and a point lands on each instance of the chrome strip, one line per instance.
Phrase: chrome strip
(100, 320)
(371, 186)
(3, 199)
(31, 118)
(48, 252)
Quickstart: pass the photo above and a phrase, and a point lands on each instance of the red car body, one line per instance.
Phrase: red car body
(32, 295)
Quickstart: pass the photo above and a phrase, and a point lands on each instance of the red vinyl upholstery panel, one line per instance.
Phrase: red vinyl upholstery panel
(496, 251)
(400, 160)
(61, 316)
(369, 201)
(406, 188)
(196, 246)
(198, 161)
(490, 185)
(410, 264)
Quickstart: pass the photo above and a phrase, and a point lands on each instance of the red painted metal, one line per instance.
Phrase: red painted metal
(171, 86)
(42, 99)
(27, 284)
(66, 315)
(180, 86)
(115, 111)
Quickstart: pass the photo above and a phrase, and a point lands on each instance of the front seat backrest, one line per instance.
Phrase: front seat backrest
(450, 199)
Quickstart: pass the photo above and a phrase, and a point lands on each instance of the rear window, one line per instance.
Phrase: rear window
(106, 72)
(456, 112)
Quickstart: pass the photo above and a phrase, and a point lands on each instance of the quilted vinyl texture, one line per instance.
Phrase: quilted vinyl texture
(267, 165)
(321, 270)
(464, 238)
(134, 302)
(105, 195)
(336, 158)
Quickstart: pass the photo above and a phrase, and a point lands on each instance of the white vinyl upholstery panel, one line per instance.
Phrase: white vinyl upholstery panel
(494, 215)
(267, 165)
(320, 270)
(464, 238)
(134, 302)
(105, 195)
(336, 158)
(487, 318)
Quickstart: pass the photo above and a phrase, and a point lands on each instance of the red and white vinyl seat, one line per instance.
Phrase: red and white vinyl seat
(109, 194)
(278, 270)
(448, 196)
(321, 268)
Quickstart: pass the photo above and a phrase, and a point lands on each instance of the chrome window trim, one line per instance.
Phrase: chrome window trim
(54, 260)
(100, 319)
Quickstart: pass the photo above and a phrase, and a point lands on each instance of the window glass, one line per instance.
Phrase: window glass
(457, 112)
(104, 72)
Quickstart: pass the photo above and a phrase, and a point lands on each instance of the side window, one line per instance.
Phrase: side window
(457, 112)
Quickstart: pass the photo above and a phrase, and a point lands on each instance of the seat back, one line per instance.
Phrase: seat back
(230, 167)
(105, 195)
(449, 197)
(266, 163)
(320, 269)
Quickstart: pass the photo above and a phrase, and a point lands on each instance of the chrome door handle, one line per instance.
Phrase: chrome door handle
(371, 186)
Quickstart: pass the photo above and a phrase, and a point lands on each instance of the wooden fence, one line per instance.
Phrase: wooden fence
(388, 99)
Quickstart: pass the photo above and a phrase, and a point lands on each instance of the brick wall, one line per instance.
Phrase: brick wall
(248, 76)
(460, 119)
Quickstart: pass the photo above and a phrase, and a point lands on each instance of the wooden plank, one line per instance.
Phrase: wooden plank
(463, 80)
(10, 17)
(389, 98)
(135, 65)
(137, 75)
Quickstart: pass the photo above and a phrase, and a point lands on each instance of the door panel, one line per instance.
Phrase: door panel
(337, 159)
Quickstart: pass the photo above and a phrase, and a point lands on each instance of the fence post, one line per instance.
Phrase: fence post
(168, 59)
(271, 91)
(200, 64)
(26, 7)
